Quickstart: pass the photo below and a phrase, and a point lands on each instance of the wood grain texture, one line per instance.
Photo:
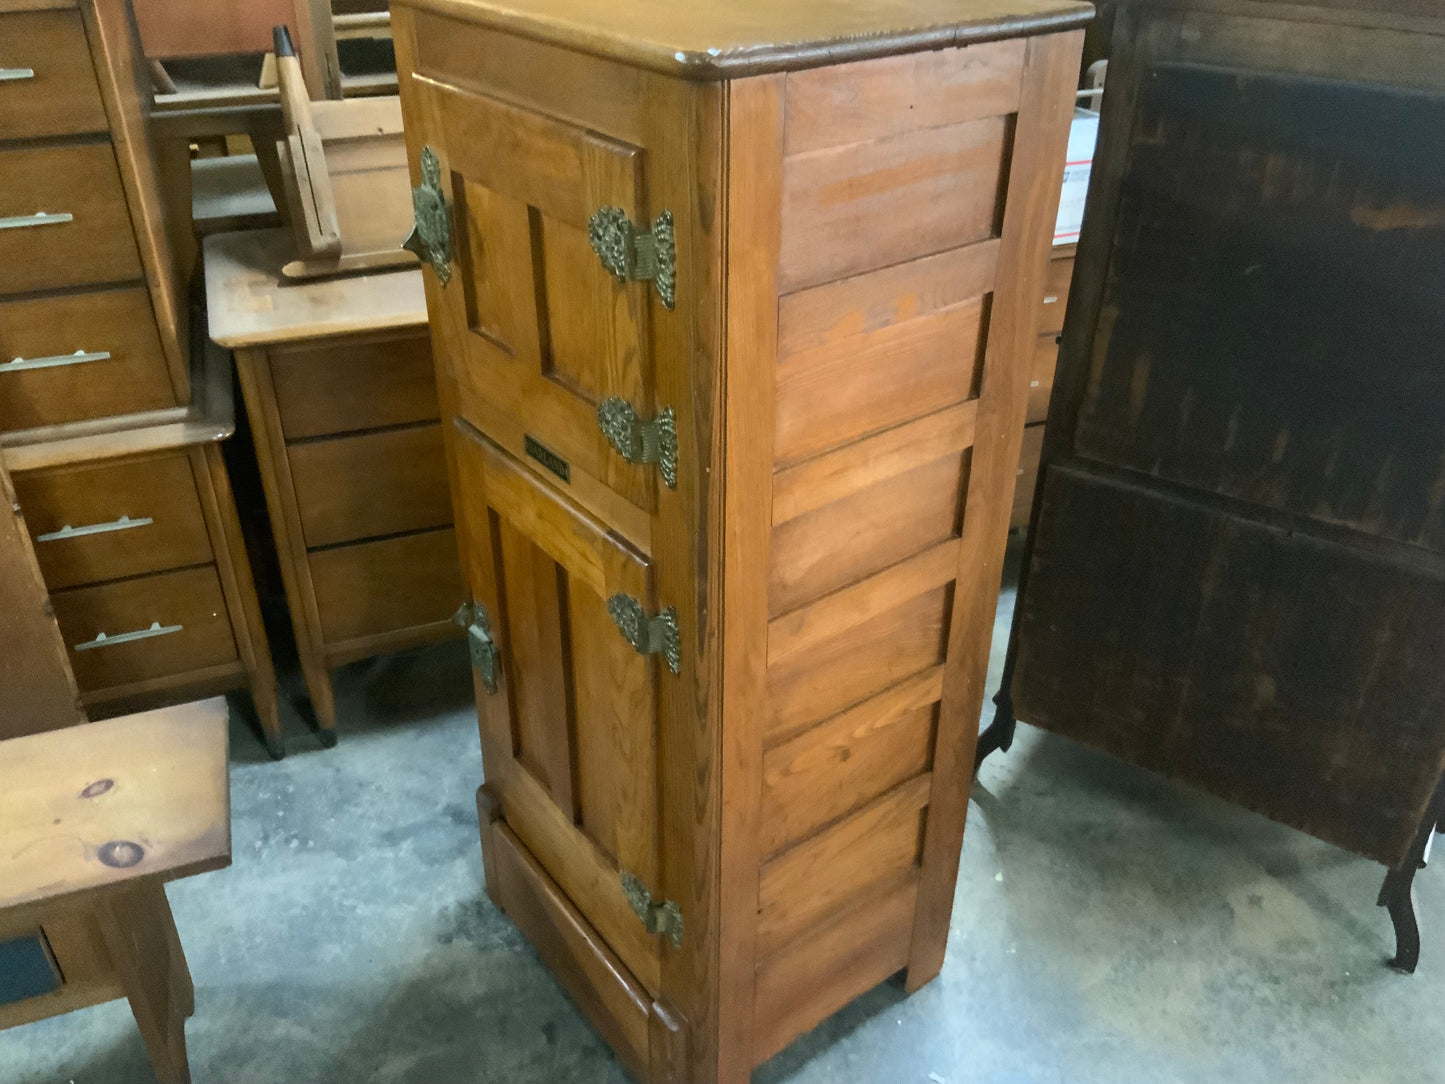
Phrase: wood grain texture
(353, 383)
(1030, 207)
(62, 97)
(410, 581)
(1027, 475)
(169, 793)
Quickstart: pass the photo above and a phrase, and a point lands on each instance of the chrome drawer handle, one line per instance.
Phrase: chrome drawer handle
(102, 640)
(125, 523)
(15, 75)
(39, 218)
(53, 361)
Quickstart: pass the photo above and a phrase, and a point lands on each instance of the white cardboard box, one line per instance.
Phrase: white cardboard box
(1083, 134)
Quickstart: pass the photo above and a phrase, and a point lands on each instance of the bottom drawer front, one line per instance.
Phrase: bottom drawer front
(79, 356)
(153, 626)
(384, 586)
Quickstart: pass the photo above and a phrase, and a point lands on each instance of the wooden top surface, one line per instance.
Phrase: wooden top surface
(722, 39)
(93, 805)
(249, 304)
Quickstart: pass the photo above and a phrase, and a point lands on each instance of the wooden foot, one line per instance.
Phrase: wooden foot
(145, 951)
(323, 700)
(1000, 733)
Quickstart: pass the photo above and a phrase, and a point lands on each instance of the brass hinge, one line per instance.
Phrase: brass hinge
(649, 635)
(632, 253)
(431, 236)
(664, 917)
(639, 441)
(486, 656)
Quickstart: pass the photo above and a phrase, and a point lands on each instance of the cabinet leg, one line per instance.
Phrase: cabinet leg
(145, 951)
(1000, 733)
(268, 711)
(323, 700)
(1397, 893)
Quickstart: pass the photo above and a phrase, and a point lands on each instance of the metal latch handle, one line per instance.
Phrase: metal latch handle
(638, 441)
(664, 917)
(648, 635)
(629, 252)
(486, 656)
(431, 235)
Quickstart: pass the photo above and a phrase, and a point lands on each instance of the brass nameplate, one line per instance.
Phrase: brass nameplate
(548, 458)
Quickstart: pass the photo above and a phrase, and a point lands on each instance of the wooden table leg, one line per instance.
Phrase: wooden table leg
(146, 953)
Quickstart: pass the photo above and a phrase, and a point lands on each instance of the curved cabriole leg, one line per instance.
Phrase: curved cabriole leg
(1397, 894)
(1000, 732)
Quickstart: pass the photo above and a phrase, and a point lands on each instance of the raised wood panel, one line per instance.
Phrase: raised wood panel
(117, 322)
(871, 99)
(191, 599)
(858, 662)
(867, 205)
(864, 533)
(846, 389)
(587, 969)
(373, 484)
(62, 97)
(394, 583)
(339, 387)
(849, 760)
(817, 975)
(160, 489)
(81, 180)
(824, 874)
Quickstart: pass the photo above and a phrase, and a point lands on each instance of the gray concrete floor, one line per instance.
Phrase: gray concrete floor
(1109, 927)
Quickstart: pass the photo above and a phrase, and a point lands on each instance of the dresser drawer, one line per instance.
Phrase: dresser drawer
(77, 356)
(47, 83)
(63, 219)
(373, 484)
(360, 384)
(155, 627)
(384, 586)
(109, 520)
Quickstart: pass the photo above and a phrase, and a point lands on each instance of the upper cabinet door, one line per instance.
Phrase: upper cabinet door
(568, 704)
(558, 265)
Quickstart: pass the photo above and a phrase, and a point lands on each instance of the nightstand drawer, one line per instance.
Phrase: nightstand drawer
(384, 586)
(153, 627)
(63, 219)
(340, 387)
(47, 82)
(109, 520)
(78, 356)
(370, 485)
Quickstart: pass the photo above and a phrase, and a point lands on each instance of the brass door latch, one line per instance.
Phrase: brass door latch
(486, 656)
(664, 917)
(639, 441)
(431, 236)
(631, 253)
(648, 635)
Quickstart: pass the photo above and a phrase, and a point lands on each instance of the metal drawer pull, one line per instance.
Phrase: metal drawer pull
(638, 441)
(632, 253)
(52, 361)
(15, 75)
(648, 635)
(125, 523)
(431, 235)
(102, 640)
(39, 218)
(486, 656)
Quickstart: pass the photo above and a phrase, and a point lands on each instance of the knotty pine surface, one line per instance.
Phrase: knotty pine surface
(1108, 927)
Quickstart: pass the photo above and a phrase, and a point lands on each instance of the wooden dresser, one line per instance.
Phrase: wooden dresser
(339, 389)
(1237, 573)
(1054, 303)
(109, 427)
(734, 308)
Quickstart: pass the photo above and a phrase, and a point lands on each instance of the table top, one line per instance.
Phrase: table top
(249, 304)
(145, 795)
(723, 39)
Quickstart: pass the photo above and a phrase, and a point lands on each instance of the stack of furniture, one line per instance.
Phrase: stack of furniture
(110, 431)
(1237, 571)
(342, 400)
(733, 309)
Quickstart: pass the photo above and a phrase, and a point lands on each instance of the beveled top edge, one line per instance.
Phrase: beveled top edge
(702, 41)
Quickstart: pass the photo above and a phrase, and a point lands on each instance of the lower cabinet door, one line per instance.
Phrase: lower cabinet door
(563, 610)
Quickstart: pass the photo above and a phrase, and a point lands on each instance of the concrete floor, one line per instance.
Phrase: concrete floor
(1109, 927)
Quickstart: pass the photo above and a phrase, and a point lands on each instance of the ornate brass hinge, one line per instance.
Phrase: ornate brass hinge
(486, 656)
(664, 917)
(632, 253)
(649, 635)
(638, 441)
(431, 236)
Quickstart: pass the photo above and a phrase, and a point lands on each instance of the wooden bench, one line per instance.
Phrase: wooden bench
(94, 819)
